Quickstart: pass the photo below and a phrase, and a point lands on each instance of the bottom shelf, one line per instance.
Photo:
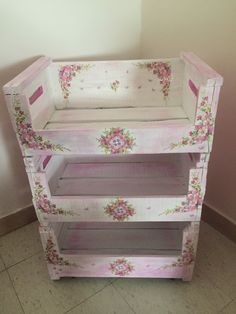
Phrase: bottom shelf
(150, 250)
(121, 238)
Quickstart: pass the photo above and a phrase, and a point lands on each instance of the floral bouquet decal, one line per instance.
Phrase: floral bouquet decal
(52, 257)
(193, 199)
(116, 141)
(163, 72)
(203, 128)
(121, 267)
(27, 136)
(187, 257)
(66, 75)
(119, 210)
(43, 204)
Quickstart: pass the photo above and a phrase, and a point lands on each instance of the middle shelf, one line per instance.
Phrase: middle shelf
(119, 188)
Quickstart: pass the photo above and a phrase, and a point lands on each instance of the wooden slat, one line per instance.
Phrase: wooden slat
(117, 114)
(124, 124)
(27, 76)
(122, 186)
(130, 239)
(125, 225)
(119, 170)
(211, 76)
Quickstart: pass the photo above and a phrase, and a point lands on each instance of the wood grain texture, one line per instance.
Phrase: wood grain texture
(116, 153)
(109, 265)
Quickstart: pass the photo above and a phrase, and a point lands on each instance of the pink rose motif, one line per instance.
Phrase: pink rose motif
(27, 136)
(163, 72)
(116, 141)
(43, 204)
(193, 199)
(203, 128)
(121, 267)
(119, 210)
(52, 257)
(67, 73)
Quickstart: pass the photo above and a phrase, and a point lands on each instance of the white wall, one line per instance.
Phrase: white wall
(208, 28)
(72, 29)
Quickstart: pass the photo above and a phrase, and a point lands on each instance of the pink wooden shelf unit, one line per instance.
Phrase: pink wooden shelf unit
(117, 153)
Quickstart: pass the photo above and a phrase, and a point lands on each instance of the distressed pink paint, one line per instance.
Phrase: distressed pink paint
(36, 95)
(159, 139)
(46, 161)
(193, 87)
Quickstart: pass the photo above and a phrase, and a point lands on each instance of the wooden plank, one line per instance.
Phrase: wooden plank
(123, 169)
(124, 225)
(211, 76)
(55, 126)
(121, 114)
(112, 265)
(182, 158)
(27, 76)
(122, 186)
(136, 85)
(138, 239)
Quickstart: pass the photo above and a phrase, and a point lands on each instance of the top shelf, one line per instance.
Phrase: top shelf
(73, 107)
(136, 117)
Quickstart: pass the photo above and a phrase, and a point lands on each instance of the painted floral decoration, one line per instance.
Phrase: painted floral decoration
(67, 73)
(203, 128)
(187, 257)
(52, 257)
(119, 210)
(114, 85)
(163, 72)
(193, 199)
(116, 141)
(27, 136)
(43, 204)
(121, 267)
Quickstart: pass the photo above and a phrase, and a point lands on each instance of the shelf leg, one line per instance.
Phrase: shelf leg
(189, 248)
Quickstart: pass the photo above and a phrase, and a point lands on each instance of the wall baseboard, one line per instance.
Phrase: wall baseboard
(209, 215)
(16, 220)
(219, 222)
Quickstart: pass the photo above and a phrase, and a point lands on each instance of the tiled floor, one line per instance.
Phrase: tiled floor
(26, 288)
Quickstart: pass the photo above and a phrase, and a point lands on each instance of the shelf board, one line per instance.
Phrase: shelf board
(121, 239)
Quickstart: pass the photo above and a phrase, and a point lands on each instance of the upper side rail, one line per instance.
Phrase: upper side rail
(23, 79)
(210, 77)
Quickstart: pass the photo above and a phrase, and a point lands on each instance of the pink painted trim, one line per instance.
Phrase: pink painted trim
(193, 88)
(36, 95)
(46, 161)
(203, 68)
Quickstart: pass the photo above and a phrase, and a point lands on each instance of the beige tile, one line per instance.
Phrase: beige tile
(2, 266)
(9, 303)
(107, 301)
(230, 308)
(172, 296)
(216, 258)
(20, 244)
(39, 294)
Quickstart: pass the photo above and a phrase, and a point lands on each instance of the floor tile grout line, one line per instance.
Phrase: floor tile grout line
(217, 287)
(124, 299)
(226, 305)
(3, 262)
(86, 299)
(20, 228)
(23, 260)
(15, 291)
(110, 283)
